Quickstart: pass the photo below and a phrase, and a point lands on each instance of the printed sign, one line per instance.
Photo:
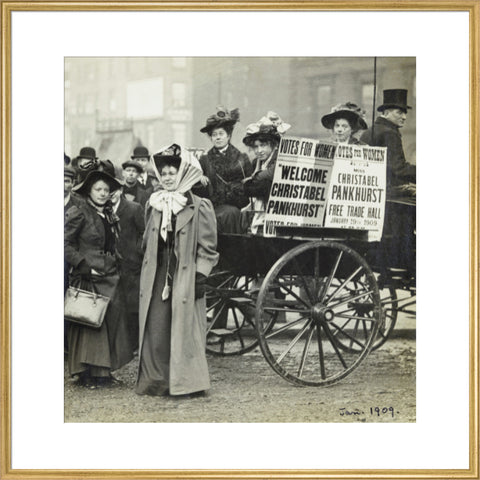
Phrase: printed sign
(356, 192)
(319, 184)
(298, 196)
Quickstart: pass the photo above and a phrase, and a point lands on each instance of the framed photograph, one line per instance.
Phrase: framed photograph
(320, 360)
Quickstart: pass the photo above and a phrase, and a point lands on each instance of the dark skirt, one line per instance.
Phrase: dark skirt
(99, 351)
(154, 365)
(229, 219)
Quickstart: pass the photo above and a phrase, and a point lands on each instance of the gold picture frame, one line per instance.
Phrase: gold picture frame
(472, 7)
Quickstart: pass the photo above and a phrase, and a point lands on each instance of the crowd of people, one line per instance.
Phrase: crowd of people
(148, 240)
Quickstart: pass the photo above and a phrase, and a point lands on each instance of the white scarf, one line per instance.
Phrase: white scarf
(189, 173)
(167, 203)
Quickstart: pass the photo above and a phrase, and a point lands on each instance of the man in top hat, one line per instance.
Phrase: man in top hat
(146, 179)
(132, 189)
(386, 133)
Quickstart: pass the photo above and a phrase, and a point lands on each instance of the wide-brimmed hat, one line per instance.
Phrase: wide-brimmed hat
(140, 152)
(222, 118)
(350, 112)
(394, 98)
(269, 128)
(168, 156)
(134, 164)
(84, 187)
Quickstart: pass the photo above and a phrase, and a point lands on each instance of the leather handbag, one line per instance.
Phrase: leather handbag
(85, 307)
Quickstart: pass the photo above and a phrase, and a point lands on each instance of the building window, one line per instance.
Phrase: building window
(179, 131)
(179, 95)
(179, 62)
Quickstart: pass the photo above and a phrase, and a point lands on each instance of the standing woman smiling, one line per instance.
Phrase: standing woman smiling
(180, 251)
(91, 231)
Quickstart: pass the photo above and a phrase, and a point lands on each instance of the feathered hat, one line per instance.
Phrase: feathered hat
(221, 118)
(350, 112)
(270, 127)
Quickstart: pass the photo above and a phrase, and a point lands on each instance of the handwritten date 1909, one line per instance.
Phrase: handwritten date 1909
(374, 411)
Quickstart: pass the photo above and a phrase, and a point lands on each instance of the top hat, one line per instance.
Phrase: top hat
(140, 152)
(350, 112)
(93, 176)
(168, 156)
(268, 128)
(222, 118)
(394, 98)
(134, 164)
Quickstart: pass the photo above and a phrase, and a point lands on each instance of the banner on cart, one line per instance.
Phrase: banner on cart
(298, 196)
(321, 184)
(356, 191)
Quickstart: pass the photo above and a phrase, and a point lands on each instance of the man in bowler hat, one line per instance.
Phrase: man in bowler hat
(146, 179)
(132, 189)
(386, 133)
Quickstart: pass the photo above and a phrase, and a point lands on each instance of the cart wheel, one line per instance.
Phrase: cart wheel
(389, 302)
(230, 314)
(317, 282)
(359, 311)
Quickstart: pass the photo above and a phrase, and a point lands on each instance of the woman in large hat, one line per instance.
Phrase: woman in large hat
(180, 251)
(224, 167)
(91, 231)
(263, 137)
(344, 120)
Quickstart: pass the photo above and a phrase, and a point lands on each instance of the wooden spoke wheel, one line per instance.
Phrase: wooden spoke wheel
(313, 286)
(361, 311)
(230, 314)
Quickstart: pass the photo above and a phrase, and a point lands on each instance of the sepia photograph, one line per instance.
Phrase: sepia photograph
(240, 234)
(241, 240)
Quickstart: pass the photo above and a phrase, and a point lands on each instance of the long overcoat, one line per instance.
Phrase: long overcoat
(195, 251)
(387, 134)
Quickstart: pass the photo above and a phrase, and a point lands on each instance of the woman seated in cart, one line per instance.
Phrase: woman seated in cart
(224, 168)
(263, 137)
(344, 120)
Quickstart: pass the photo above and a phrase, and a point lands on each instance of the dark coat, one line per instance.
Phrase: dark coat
(132, 226)
(225, 172)
(74, 199)
(109, 346)
(150, 183)
(137, 193)
(129, 246)
(387, 134)
(261, 182)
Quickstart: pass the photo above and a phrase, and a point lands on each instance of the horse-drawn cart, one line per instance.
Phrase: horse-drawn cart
(316, 300)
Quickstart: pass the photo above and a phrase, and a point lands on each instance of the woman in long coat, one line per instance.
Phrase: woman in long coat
(180, 250)
(90, 248)
(224, 167)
